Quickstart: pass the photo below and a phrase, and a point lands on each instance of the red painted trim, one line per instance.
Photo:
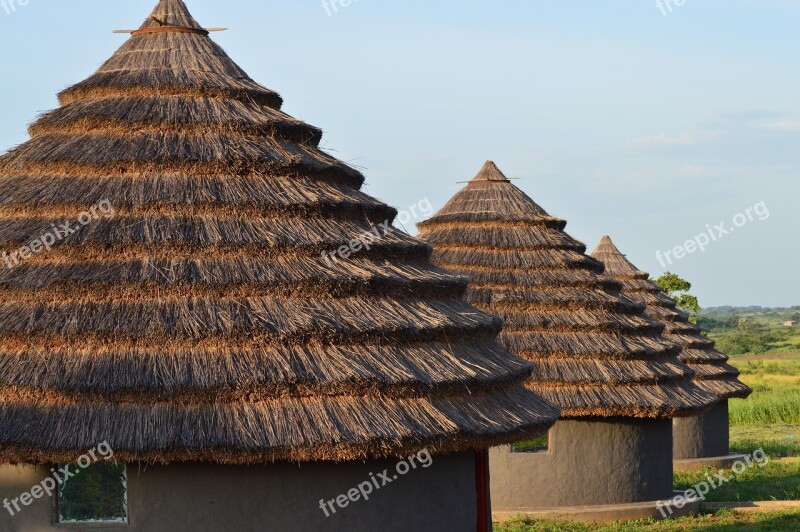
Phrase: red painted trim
(482, 490)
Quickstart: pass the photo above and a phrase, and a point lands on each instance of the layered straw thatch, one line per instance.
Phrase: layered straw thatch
(201, 322)
(712, 372)
(594, 352)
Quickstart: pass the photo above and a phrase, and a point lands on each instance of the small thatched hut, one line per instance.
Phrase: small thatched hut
(595, 354)
(234, 320)
(705, 436)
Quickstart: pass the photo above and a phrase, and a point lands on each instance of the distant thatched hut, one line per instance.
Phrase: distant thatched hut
(699, 437)
(243, 331)
(595, 354)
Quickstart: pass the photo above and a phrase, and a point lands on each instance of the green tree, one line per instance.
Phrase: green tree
(745, 324)
(678, 289)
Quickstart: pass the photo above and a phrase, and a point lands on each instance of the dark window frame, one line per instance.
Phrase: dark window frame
(57, 519)
(542, 448)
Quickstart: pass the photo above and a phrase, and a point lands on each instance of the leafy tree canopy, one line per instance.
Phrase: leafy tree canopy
(678, 289)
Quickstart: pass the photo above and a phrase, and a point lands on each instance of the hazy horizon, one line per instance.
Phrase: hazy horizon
(647, 125)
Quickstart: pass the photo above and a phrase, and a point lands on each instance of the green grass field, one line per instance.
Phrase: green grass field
(778, 440)
(776, 392)
(768, 355)
(717, 522)
(739, 332)
(778, 480)
(768, 420)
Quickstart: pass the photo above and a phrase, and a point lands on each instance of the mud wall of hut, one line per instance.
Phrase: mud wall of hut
(703, 436)
(280, 497)
(621, 461)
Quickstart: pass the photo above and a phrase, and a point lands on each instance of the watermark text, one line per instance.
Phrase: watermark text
(375, 482)
(56, 234)
(713, 233)
(48, 486)
(367, 239)
(10, 6)
(668, 6)
(703, 488)
(331, 7)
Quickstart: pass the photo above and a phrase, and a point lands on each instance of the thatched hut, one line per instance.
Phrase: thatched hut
(235, 319)
(703, 438)
(595, 354)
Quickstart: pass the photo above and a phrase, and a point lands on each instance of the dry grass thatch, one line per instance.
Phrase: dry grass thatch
(594, 351)
(201, 321)
(712, 372)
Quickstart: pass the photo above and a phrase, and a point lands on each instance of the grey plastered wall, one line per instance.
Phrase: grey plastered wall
(278, 497)
(590, 462)
(703, 436)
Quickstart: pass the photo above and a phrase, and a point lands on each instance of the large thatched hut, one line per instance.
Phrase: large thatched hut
(702, 438)
(595, 354)
(192, 287)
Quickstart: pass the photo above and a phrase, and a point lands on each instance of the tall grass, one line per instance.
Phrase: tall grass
(778, 481)
(767, 406)
(762, 368)
(720, 521)
(776, 394)
(774, 449)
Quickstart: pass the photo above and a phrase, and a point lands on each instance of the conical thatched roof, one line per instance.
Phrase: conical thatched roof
(594, 352)
(712, 372)
(201, 321)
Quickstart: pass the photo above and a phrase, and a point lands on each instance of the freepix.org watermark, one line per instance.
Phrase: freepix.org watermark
(668, 6)
(367, 239)
(700, 242)
(365, 489)
(57, 233)
(50, 484)
(701, 489)
(331, 7)
(10, 6)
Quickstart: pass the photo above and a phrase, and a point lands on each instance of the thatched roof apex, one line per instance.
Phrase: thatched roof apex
(594, 352)
(712, 372)
(245, 302)
(171, 13)
(489, 172)
(172, 63)
(615, 261)
(491, 197)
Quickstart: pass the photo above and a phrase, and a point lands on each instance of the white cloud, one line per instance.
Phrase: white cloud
(682, 139)
(727, 131)
(786, 125)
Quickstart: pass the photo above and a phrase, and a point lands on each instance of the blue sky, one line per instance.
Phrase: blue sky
(620, 119)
